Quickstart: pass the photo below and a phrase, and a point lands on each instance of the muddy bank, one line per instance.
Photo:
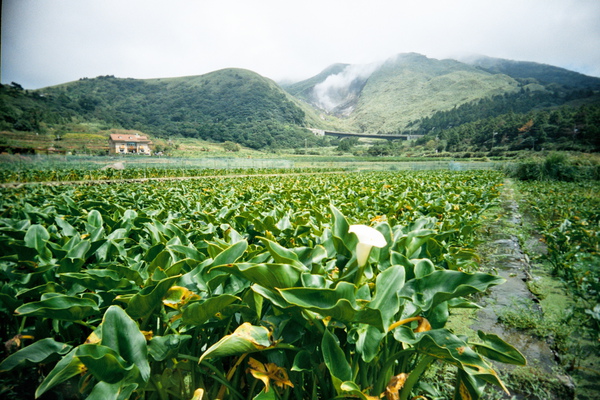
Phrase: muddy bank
(513, 302)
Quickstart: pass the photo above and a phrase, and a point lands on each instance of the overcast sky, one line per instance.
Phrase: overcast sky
(47, 42)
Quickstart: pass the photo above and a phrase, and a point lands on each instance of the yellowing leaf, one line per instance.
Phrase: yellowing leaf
(178, 296)
(93, 338)
(269, 372)
(198, 394)
(393, 387)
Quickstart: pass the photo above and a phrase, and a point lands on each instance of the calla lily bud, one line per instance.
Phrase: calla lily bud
(367, 239)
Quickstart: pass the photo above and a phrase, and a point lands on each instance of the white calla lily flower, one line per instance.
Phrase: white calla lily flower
(367, 239)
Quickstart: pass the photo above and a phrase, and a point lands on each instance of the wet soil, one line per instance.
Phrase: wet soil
(544, 377)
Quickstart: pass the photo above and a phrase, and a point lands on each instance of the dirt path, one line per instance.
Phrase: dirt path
(503, 254)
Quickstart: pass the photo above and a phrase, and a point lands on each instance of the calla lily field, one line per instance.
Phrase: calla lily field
(318, 286)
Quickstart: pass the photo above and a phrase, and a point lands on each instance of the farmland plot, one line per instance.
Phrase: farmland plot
(300, 287)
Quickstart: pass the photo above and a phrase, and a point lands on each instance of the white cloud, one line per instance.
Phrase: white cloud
(50, 42)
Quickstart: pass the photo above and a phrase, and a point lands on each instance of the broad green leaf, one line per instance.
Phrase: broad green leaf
(309, 256)
(246, 338)
(439, 286)
(231, 254)
(335, 360)
(94, 219)
(280, 254)
(422, 267)
(339, 303)
(302, 361)
(41, 352)
(67, 228)
(144, 302)
(352, 389)
(343, 241)
(266, 395)
(388, 284)
(414, 240)
(198, 313)
(367, 341)
(112, 391)
(103, 362)
(65, 369)
(162, 347)
(467, 387)
(268, 275)
(60, 307)
(188, 251)
(36, 237)
(121, 333)
(447, 347)
(96, 279)
(79, 250)
(497, 349)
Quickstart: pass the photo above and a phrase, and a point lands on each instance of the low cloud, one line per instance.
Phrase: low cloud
(340, 89)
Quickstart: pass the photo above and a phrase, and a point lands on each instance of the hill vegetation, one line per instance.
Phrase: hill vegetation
(227, 105)
(479, 105)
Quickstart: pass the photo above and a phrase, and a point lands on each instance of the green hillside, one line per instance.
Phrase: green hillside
(412, 86)
(408, 89)
(226, 105)
(543, 73)
(458, 104)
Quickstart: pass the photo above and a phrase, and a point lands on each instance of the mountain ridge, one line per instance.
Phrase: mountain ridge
(407, 93)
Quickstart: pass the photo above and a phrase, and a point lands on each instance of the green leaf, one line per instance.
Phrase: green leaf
(497, 349)
(96, 279)
(121, 333)
(439, 286)
(468, 387)
(268, 275)
(335, 360)
(103, 362)
(144, 302)
(449, 348)
(280, 254)
(339, 303)
(343, 241)
(112, 391)
(387, 286)
(162, 347)
(67, 228)
(368, 341)
(302, 361)
(246, 338)
(198, 313)
(265, 395)
(41, 352)
(353, 389)
(60, 307)
(231, 254)
(65, 369)
(36, 237)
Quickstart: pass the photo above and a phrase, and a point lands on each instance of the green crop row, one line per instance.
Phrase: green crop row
(75, 174)
(283, 287)
(568, 215)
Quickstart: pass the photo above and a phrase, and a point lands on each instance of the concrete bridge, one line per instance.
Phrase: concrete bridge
(321, 132)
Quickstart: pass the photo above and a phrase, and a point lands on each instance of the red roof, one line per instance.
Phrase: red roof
(125, 137)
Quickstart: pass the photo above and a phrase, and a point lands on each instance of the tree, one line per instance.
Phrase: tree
(231, 146)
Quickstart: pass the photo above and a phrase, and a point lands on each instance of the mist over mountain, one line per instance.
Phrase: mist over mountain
(391, 96)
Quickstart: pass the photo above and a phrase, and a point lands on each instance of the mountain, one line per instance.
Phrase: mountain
(543, 73)
(408, 93)
(229, 104)
(395, 95)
